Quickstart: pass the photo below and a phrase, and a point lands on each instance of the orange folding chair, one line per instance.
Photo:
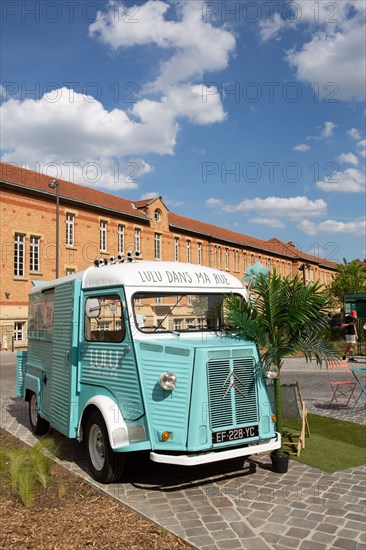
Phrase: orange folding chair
(342, 386)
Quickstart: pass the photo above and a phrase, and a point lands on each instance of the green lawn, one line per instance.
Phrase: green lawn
(333, 445)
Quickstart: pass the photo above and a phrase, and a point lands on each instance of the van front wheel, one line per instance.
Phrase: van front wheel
(39, 425)
(105, 465)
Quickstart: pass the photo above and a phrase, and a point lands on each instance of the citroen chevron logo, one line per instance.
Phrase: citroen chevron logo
(232, 383)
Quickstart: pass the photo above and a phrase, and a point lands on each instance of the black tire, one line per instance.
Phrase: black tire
(39, 425)
(105, 465)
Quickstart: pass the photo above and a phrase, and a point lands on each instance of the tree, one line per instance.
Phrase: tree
(350, 279)
(286, 318)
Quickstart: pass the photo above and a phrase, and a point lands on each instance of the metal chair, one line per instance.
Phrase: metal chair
(342, 386)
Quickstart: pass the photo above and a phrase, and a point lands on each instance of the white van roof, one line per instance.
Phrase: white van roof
(148, 274)
(159, 274)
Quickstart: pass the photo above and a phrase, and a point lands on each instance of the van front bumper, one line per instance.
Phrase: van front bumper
(216, 456)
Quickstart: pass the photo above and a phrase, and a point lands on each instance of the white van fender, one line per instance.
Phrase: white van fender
(114, 421)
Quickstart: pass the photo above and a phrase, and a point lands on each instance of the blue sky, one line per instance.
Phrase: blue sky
(248, 115)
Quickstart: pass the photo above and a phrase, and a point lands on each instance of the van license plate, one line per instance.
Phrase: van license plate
(235, 434)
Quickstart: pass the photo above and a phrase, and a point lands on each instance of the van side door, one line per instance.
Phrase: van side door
(108, 363)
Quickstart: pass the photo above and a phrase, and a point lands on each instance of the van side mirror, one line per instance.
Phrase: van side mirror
(92, 308)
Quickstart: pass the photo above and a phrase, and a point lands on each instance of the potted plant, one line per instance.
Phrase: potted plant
(286, 317)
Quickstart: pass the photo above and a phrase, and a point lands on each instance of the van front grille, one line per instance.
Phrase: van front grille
(232, 392)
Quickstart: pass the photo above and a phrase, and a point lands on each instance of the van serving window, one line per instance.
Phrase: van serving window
(104, 319)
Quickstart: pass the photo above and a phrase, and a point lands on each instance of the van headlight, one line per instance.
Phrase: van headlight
(168, 381)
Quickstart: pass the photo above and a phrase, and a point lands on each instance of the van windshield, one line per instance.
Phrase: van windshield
(166, 312)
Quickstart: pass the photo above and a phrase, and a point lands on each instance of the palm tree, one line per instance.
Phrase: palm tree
(285, 318)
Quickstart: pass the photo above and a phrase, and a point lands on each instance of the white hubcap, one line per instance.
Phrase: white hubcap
(34, 409)
(96, 447)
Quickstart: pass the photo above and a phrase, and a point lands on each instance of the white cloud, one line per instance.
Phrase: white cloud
(348, 158)
(351, 180)
(303, 148)
(270, 28)
(354, 133)
(78, 127)
(356, 228)
(172, 202)
(197, 45)
(292, 207)
(361, 146)
(308, 227)
(215, 203)
(335, 61)
(334, 56)
(328, 129)
(271, 222)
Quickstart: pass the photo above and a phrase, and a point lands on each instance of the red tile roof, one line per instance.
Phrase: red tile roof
(29, 179)
(72, 191)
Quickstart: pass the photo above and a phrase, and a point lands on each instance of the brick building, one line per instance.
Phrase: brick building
(93, 224)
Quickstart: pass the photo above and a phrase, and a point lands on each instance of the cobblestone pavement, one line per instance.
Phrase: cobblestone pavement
(232, 505)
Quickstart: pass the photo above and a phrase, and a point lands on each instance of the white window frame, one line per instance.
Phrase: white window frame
(188, 251)
(19, 331)
(137, 239)
(34, 253)
(199, 253)
(176, 249)
(103, 235)
(19, 255)
(177, 324)
(121, 239)
(70, 234)
(157, 246)
(226, 258)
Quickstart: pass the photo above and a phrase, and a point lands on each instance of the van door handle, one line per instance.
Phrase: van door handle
(67, 357)
(126, 350)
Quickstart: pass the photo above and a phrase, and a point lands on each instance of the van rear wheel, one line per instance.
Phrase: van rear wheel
(105, 465)
(39, 425)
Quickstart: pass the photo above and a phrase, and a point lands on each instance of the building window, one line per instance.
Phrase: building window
(137, 240)
(34, 253)
(245, 262)
(236, 260)
(188, 251)
(157, 215)
(199, 253)
(157, 246)
(121, 239)
(19, 332)
(215, 256)
(19, 255)
(69, 271)
(103, 236)
(177, 324)
(219, 257)
(176, 249)
(226, 258)
(70, 229)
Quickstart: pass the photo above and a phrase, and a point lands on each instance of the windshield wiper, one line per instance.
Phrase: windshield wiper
(167, 315)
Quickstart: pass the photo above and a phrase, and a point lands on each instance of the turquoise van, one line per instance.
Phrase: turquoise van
(134, 356)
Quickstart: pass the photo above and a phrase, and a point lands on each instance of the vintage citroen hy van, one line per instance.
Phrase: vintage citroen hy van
(134, 356)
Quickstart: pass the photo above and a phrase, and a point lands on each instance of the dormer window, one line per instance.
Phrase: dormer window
(157, 215)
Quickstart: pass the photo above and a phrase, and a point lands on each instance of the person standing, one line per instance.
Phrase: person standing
(350, 330)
